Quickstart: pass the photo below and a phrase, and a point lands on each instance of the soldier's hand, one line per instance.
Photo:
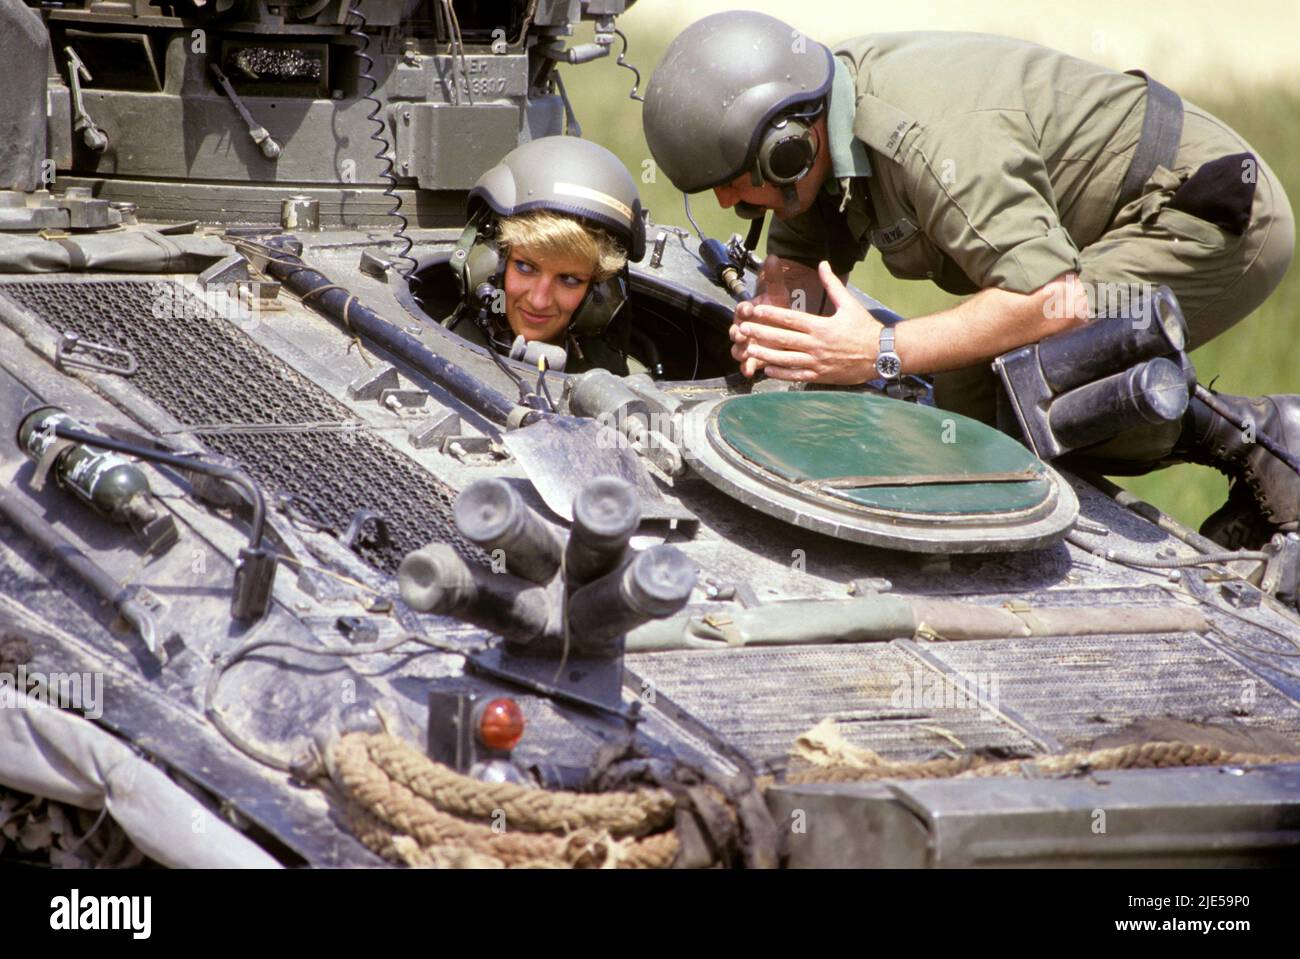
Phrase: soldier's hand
(770, 291)
(790, 345)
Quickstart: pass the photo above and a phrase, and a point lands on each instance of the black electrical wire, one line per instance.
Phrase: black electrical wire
(571, 125)
(221, 666)
(494, 344)
(377, 135)
(627, 66)
(541, 387)
(189, 463)
(695, 337)
(686, 204)
(755, 231)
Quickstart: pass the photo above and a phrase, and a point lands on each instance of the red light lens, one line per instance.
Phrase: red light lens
(501, 724)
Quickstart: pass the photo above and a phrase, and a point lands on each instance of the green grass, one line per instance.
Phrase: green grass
(1257, 356)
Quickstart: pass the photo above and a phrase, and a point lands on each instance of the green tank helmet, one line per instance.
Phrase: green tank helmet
(559, 174)
(715, 105)
(564, 174)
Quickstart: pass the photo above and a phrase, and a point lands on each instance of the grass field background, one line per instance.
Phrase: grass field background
(1238, 62)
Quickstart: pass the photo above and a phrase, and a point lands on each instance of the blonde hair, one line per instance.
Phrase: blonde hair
(554, 234)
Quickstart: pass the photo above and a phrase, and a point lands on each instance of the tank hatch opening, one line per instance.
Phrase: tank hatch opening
(671, 331)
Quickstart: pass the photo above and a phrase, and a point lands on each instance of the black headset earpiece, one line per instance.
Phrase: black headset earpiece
(475, 258)
(786, 152)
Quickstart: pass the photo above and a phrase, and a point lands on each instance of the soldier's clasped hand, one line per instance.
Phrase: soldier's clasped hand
(802, 347)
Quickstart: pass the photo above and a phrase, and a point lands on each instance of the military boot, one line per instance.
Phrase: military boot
(1264, 495)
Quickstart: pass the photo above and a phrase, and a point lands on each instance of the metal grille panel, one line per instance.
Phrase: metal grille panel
(202, 369)
(1080, 689)
(762, 699)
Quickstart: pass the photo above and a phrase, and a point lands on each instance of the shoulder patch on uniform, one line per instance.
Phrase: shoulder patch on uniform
(893, 235)
(896, 135)
(881, 125)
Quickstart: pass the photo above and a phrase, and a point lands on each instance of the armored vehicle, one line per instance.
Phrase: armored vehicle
(292, 574)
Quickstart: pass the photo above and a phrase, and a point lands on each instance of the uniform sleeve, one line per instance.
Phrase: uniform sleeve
(982, 195)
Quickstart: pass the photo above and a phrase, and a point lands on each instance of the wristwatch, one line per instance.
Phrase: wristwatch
(888, 365)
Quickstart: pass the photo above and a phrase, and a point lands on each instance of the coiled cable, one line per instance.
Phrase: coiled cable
(385, 154)
(627, 66)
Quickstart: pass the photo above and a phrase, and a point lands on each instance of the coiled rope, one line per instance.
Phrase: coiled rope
(413, 811)
(410, 809)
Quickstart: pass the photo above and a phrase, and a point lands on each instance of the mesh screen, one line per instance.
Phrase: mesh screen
(204, 370)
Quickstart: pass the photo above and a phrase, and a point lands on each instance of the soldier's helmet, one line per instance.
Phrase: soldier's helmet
(565, 175)
(723, 81)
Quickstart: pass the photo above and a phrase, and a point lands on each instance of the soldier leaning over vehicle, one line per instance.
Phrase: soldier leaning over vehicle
(993, 167)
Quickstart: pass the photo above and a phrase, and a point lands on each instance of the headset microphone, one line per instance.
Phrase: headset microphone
(487, 293)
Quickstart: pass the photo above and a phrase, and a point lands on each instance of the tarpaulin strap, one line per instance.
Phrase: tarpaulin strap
(726, 628)
(1025, 613)
(172, 251)
(76, 255)
(926, 633)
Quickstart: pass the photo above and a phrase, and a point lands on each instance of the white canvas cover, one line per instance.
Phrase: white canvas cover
(54, 753)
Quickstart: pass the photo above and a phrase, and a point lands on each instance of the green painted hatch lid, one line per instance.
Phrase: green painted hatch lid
(881, 453)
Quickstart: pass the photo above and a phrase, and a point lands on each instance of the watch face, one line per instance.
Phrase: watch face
(888, 366)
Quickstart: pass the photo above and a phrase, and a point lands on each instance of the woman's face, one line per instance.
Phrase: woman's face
(542, 292)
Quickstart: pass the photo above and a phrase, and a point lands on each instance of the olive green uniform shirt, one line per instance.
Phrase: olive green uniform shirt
(993, 161)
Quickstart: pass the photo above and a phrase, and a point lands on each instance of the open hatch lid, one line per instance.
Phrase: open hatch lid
(870, 469)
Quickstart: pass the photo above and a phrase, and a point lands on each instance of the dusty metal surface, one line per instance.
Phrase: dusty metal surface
(414, 121)
(153, 709)
(757, 700)
(875, 693)
(1075, 690)
(1211, 816)
(203, 370)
